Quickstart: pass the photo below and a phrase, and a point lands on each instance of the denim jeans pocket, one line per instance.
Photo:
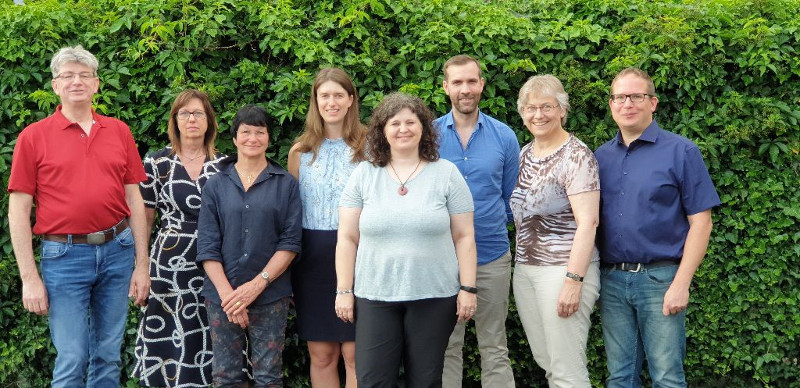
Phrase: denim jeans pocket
(662, 275)
(53, 250)
(125, 238)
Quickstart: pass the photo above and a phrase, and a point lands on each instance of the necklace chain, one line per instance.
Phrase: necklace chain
(403, 190)
(194, 158)
(250, 177)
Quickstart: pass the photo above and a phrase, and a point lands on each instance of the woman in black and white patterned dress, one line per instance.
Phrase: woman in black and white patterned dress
(173, 348)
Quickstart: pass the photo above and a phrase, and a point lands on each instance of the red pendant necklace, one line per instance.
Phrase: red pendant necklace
(403, 190)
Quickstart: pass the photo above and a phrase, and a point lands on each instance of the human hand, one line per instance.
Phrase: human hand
(140, 285)
(237, 301)
(241, 319)
(676, 299)
(466, 304)
(34, 296)
(569, 299)
(345, 307)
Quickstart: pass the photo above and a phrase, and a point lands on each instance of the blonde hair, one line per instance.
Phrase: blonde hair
(544, 86)
(651, 88)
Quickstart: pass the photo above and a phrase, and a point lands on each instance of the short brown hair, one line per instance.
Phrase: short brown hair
(651, 88)
(378, 150)
(172, 128)
(462, 59)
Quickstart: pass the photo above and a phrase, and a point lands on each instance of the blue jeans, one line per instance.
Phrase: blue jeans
(266, 335)
(87, 286)
(634, 326)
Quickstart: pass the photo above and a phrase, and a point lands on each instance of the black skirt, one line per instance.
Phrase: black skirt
(314, 286)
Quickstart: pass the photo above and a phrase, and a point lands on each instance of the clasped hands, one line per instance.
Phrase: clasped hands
(235, 302)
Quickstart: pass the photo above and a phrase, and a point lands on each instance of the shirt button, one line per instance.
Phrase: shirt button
(245, 255)
(465, 158)
(247, 230)
(624, 173)
(247, 206)
(466, 177)
(620, 214)
(622, 193)
(83, 135)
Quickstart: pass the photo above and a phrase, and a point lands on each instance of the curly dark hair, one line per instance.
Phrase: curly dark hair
(378, 152)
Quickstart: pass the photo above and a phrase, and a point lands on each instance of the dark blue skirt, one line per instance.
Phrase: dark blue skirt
(314, 286)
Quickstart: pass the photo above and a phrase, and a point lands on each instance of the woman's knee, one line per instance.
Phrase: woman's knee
(323, 354)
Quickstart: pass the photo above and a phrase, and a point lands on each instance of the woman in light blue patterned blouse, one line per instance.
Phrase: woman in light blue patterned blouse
(322, 159)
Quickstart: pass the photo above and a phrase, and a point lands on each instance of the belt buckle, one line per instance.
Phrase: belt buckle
(96, 238)
(627, 267)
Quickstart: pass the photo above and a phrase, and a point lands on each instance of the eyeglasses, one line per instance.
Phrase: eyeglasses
(69, 76)
(546, 108)
(635, 97)
(198, 115)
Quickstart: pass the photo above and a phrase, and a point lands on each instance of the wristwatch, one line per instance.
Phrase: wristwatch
(471, 290)
(265, 275)
(575, 277)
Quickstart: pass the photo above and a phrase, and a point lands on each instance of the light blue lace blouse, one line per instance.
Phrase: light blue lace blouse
(322, 182)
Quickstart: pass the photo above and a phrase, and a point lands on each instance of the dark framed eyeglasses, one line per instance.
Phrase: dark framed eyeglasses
(636, 98)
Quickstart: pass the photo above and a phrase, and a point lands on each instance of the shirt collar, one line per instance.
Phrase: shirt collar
(63, 122)
(273, 168)
(449, 121)
(649, 135)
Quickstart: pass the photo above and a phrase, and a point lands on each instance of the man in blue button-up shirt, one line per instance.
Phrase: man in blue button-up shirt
(655, 223)
(486, 152)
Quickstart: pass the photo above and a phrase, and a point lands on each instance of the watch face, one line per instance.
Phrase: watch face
(265, 275)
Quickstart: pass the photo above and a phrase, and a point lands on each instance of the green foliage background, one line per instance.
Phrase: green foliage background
(726, 71)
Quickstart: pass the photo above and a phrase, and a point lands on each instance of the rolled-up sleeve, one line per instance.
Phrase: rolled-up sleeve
(292, 232)
(209, 237)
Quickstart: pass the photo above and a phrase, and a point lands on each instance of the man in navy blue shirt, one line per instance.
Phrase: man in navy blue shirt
(655, 223)
(486, 152)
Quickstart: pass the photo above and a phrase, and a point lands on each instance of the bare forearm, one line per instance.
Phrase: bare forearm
(278, 264)
(582, 246)
(467, 260)
(19, 222)
(216, 273)
(138, 224)
(345, 264)
(693, 252)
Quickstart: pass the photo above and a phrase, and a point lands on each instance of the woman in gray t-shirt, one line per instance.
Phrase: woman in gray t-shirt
(405, 257)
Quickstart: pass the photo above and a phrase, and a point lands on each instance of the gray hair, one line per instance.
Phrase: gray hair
(75, 54)
(544, 86)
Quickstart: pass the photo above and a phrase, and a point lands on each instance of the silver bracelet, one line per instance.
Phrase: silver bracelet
(342, 292)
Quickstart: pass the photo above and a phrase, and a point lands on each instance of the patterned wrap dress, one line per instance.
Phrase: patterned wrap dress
(173, 346)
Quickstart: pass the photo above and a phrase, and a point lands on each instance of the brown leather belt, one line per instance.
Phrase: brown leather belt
(95, 238)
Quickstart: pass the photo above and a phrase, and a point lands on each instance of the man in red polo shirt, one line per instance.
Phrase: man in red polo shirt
(81, 171)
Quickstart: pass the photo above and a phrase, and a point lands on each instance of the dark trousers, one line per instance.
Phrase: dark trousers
(415, 332)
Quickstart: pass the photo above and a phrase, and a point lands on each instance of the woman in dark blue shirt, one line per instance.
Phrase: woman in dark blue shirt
(249, 232)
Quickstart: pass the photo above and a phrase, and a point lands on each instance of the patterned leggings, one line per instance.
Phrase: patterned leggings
(266, 335)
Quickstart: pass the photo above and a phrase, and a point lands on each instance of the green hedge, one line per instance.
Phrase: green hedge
(726, 71)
